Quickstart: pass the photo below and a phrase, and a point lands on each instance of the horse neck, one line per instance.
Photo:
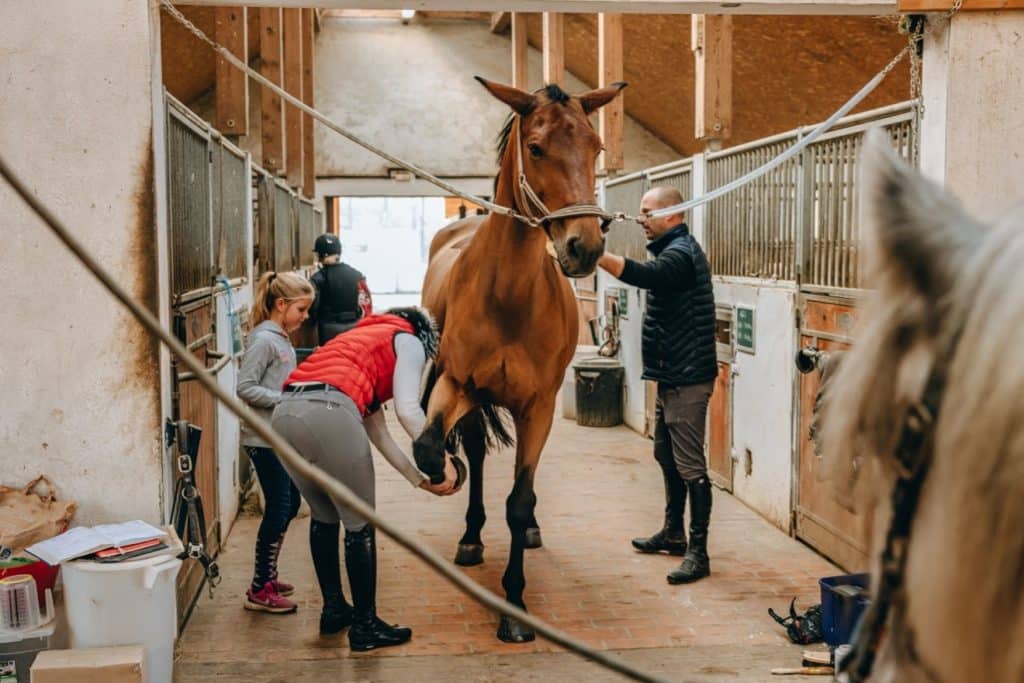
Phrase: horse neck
(518, 251)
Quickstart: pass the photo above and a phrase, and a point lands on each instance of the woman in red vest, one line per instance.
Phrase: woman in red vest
(330, 412)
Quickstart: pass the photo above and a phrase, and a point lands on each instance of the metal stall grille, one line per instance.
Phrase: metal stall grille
(308, 229)
(834, 236)
(678, 175)
(626, 237)
(188, 175)
(231, 238)
(752, 231)
(283, 214)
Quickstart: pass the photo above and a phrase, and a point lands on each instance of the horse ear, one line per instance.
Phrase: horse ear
(916, 230)
(595, 99)
(521, 102)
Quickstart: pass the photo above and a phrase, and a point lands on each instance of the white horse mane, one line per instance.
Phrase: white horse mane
(936, 273)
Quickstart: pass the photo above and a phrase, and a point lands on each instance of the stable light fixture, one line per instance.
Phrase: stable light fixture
(407, 15)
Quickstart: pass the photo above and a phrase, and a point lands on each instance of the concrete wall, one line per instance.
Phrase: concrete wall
(763, 397)
(81, 399)
(974, 121)
(410, 90)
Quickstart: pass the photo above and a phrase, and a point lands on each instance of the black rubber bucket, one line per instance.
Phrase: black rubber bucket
(598, 392)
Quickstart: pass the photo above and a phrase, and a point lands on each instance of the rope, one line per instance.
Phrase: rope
(335, 489)
(793, 150)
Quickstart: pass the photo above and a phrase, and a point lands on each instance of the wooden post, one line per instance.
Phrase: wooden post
(499, 21)
(232, 90)
(712, 47)
(520, 52)
(308, 156)
(270, 104)
(610, 117)
(292, 20)
(554, 48)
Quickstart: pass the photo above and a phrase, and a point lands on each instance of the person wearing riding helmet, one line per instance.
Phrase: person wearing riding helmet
(330, 412)
(342, 296)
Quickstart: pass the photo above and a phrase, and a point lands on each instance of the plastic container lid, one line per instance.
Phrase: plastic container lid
(597, 362)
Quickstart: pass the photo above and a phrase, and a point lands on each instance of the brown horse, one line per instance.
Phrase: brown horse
(508, 314)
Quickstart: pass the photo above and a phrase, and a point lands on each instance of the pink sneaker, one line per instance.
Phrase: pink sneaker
(283, 589)
(268, 600)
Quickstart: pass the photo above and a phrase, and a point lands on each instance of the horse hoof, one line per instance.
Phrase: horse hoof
(533, 539)
(514, 631)
(469, 554)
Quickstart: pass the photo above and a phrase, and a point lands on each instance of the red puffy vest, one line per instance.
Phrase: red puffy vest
(360, 362)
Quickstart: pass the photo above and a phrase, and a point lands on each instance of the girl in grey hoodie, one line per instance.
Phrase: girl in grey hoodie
(281, 305)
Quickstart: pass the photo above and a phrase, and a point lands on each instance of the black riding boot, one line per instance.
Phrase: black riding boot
(671, 538)
(696, 564)
(323, 543)
(368, 631)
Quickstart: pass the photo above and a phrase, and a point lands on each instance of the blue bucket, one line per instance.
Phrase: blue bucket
(843, 600)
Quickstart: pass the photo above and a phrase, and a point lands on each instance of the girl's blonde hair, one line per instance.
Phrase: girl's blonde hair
(274, 286)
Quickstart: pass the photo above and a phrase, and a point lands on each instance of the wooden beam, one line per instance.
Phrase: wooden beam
(292, 20)
(520, 52)
(967, 6)
(749, 7)
(271, 118)
(554, 48)
(308, 156)
(500, 21)
(610, 117)
(712, 47)
(231, 97)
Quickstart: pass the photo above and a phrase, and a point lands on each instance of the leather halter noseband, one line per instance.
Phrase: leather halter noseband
(527, 200)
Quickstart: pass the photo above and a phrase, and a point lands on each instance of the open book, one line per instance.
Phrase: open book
(82, 540)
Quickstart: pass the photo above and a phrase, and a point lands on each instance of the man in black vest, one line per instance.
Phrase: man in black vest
(679, 354)
(342, 297)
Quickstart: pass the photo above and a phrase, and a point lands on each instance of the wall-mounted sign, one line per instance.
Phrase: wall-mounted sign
(745, 328)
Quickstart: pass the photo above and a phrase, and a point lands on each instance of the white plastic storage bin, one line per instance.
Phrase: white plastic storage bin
(127, 603)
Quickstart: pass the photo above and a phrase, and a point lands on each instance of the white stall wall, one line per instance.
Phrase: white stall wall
(228, 445)
(630, 328)
(763, 397)
(81, 390)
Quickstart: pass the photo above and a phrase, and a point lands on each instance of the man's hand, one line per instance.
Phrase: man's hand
(446, 487)
(613, 263)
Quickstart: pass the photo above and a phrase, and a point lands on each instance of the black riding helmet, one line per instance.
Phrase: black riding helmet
(327, 245)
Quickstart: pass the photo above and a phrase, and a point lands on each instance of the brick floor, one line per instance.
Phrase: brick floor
(596, 489)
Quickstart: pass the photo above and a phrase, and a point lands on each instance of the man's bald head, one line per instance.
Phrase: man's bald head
(659, 198)
(665, 195)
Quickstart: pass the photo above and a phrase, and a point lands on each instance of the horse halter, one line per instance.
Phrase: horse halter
(913, 454)
(527, 200)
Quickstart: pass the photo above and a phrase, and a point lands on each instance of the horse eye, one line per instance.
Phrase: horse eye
(535, 151)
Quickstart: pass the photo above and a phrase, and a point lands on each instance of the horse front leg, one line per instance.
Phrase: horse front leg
(448, 404)
(474, 443)
(532, 430)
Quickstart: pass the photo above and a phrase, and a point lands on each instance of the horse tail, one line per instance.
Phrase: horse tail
(485, 423)
(487, 419)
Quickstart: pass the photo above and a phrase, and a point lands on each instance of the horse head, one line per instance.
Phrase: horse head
(939, 331)
(549, 141)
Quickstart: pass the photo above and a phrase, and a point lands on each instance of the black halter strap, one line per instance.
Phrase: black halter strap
(913, 455)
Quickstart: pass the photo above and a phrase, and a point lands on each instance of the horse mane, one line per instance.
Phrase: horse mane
(946, 293)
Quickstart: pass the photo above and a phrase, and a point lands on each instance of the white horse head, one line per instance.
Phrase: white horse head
(947, 291)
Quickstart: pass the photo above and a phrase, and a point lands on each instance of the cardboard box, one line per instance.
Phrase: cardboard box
(124, 664)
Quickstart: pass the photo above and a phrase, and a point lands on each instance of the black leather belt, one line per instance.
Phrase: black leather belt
(298, 388)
